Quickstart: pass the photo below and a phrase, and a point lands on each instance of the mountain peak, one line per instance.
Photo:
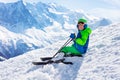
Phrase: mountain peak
(16, 15)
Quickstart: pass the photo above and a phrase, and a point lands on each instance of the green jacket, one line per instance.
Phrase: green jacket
(83, 36)
(80, 44)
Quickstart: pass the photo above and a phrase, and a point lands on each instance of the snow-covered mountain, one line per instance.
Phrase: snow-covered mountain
(102, 22)
(19, 16)
(101, 62)
(13, 44)
(26, 26)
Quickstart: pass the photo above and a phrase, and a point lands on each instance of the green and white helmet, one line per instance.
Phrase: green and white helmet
(82, 20)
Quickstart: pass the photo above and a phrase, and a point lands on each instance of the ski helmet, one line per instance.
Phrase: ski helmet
(82, 20)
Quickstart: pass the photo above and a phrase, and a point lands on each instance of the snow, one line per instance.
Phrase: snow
(103, 55)
(101, 62)
(22, 67)
(32, 29)
(14, 43)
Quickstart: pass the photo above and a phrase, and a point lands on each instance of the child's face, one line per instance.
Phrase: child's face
(81, 26)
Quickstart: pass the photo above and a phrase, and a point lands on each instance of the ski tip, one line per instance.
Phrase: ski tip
(68, 63)
(39, 63)
(46, 58)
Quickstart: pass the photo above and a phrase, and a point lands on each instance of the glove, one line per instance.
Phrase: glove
(72, 35)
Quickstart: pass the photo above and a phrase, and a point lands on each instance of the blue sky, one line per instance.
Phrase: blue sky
(100, 8)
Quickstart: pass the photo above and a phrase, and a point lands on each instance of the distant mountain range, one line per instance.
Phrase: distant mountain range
(19, 16)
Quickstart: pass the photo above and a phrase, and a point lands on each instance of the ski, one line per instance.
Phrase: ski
(51, 62)
(42, 63)
(48, 58)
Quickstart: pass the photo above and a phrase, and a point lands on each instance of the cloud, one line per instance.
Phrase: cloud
(113, 2)
(112, 14)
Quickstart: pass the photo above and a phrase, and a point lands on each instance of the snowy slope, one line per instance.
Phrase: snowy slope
(101, 62)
